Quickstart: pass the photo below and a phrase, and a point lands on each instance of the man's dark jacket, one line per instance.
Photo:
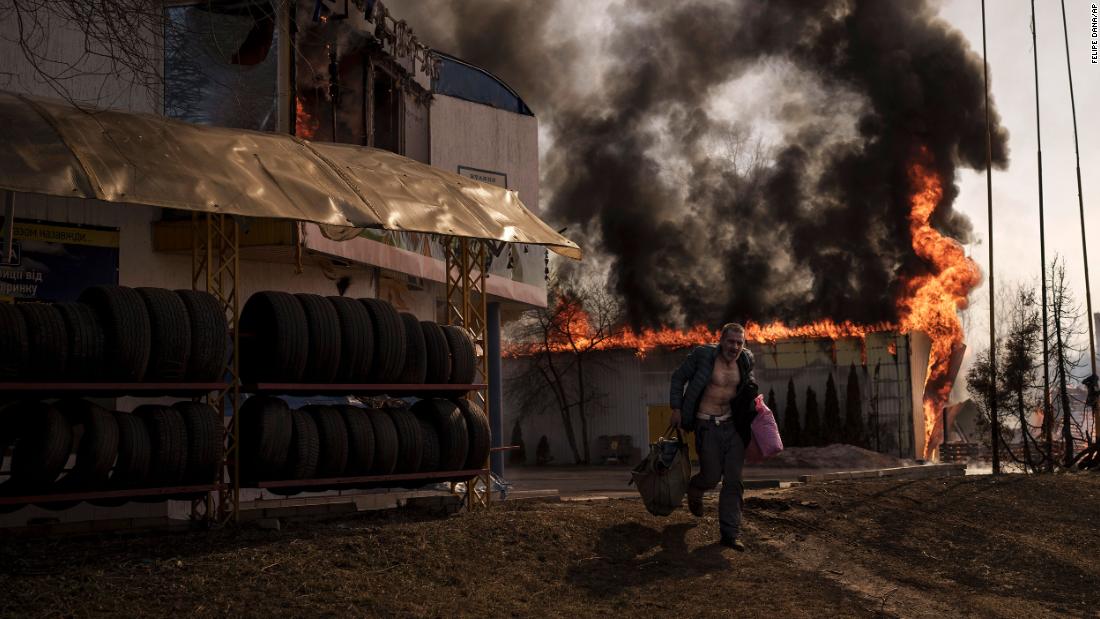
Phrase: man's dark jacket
(695, 372)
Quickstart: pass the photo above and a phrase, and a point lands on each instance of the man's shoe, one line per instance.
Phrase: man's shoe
(695, 506)
(733, 542)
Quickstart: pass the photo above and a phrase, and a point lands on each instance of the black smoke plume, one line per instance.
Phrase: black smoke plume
(702, 219)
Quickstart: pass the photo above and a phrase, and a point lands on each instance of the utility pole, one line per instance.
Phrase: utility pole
(996, 421)
(1047, 425)
(1091, 382)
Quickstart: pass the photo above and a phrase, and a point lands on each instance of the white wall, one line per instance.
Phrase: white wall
(478, 136)
(623, 408)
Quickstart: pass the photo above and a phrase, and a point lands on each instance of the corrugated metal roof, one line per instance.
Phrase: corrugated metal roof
(53, 148)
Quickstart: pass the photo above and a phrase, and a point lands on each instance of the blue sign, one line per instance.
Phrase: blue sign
(56, 262)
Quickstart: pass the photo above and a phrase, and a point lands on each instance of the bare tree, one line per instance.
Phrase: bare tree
(747, 154)
(1067, 354)
(559, 346)
(1019, 390)
(1021, 362)
(119, 39)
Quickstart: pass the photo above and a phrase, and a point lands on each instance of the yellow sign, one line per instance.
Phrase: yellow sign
(65, 234)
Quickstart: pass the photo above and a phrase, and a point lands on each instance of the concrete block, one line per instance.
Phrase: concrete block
(307, 511)
(374, 502)
(754, 484)
(533, 495)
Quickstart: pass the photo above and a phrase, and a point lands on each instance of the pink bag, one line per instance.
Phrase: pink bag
(766, 441)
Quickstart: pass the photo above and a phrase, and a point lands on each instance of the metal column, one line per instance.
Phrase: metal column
(467, 265)
(215, 268)
(496, 410)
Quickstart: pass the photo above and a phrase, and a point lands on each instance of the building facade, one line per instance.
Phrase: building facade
(354, 78)
(628, 395)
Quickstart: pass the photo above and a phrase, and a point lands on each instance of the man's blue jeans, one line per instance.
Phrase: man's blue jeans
(721, 457)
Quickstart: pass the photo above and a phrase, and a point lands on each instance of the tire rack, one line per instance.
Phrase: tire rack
(351, 483)
(467, 265)
(215, 268)
(103, 389)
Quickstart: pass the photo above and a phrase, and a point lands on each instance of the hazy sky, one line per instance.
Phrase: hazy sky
(1016, 190)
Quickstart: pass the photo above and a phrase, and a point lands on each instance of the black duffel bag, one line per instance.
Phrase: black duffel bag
(662, 477)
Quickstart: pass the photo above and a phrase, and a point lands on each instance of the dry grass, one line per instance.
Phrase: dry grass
(972, 546)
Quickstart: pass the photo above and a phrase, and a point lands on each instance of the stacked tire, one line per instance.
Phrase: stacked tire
(154, 446)
(343, 441)
(115, 334)
(306, 338)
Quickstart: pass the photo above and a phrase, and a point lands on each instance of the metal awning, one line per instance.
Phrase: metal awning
(54, 148)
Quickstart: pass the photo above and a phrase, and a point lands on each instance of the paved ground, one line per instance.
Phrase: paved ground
(572, 481)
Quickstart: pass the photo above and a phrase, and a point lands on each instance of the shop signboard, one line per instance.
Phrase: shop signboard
(54, 262)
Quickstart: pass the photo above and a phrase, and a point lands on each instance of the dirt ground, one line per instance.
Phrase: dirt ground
(1013, 546)
(610, 481)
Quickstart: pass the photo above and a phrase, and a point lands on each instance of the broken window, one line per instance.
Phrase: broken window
(221, 65)
(387, 112)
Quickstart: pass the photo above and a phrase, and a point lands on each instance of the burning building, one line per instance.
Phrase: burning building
(627, 383)
(871, 109)
(908, 368)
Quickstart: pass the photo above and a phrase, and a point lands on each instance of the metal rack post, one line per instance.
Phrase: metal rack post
(467, 266)
(215, 267)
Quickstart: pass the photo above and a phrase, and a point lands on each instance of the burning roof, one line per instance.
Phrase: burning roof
(928, 303)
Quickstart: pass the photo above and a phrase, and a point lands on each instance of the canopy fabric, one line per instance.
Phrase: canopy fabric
(54, 148)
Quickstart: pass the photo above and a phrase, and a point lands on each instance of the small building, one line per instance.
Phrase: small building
(628, 395)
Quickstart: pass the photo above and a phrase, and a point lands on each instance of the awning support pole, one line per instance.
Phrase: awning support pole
(467, 266)
(496, 395)
(215, 268)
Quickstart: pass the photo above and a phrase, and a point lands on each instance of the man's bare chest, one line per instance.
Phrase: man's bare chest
(725, 375)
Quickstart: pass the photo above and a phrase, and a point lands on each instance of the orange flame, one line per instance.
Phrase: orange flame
(931, 303)
(305, 126)
(572, 331)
